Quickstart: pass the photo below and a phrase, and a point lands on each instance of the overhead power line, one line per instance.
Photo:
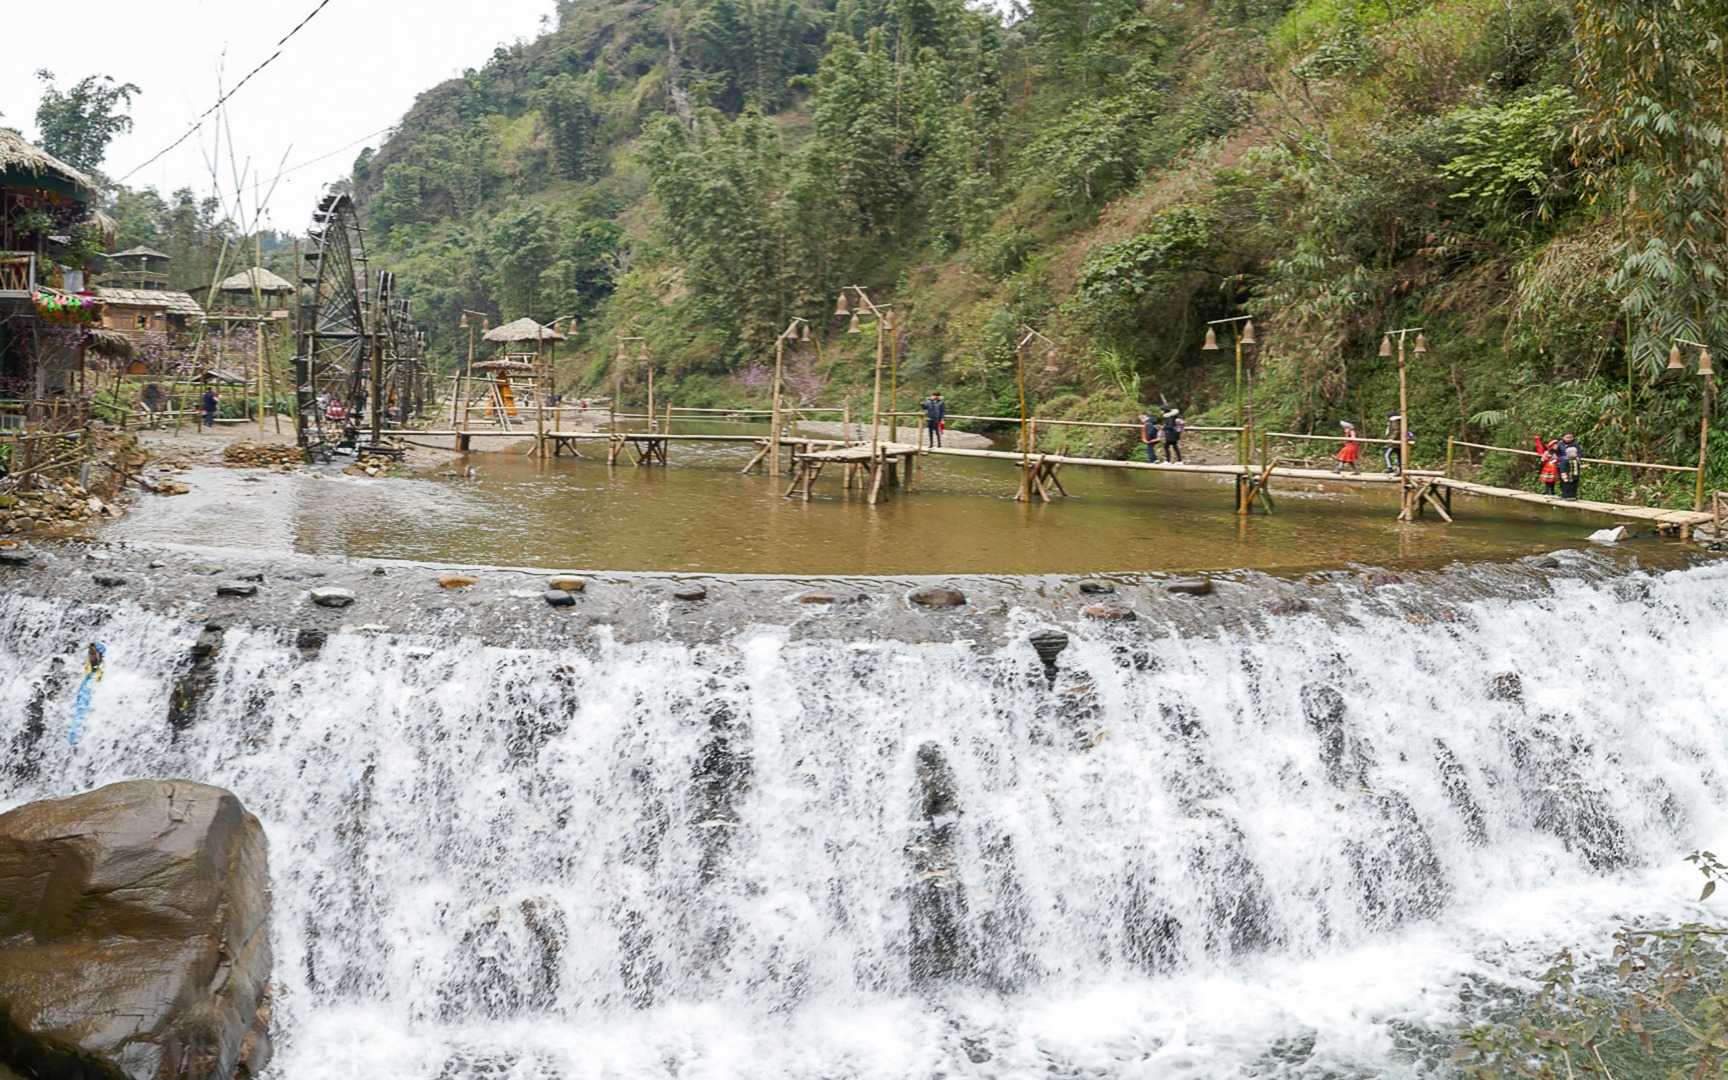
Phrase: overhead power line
(219, 101)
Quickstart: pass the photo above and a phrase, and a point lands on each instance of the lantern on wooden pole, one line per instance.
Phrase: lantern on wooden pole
(1706, 372)
(468, 376)
(864, 306)
(1244, 336)
(1408, 510)
(797, 329)
(1026, 336)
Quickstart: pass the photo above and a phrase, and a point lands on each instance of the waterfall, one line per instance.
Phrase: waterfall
(1306, 850)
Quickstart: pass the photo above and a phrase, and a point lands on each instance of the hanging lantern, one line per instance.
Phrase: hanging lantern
(1248, 333)
(463, 324)
(643, 355)
(1211, 340)
(1421, 342)
(1704, 367)
(804, 332)
(840, 307)
(622, 355)
(485, 323)
(1674, 361)
(853, 327)
(1386, 345)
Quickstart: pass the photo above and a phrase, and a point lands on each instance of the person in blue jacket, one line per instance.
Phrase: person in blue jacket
(1150, 432)
(935, 413)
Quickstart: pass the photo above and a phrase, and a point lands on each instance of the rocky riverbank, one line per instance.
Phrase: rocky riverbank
(134, 936)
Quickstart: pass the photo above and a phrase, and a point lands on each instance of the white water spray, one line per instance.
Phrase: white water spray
(1280, 853)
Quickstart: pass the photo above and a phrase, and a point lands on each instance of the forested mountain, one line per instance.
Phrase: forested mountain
(1538, 183)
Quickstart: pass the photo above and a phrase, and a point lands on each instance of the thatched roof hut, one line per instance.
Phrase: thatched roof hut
(266, 283)
(523, 329)
(108, 343)
(24, 164)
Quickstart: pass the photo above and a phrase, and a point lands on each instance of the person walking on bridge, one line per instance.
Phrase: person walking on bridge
(1173, 425)
(1395, 452)
(935, 416)
(1150, 432)
(1350, 451)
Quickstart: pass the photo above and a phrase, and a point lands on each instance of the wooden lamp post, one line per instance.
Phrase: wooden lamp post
(1706, 371)
(1244, 336)
(796, 330)
(1408, 511)
(884, 323)
(468, 376)
(1026, 336)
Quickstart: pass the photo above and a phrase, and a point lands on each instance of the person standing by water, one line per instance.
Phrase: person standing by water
(1571, 471)
(1350, 451)
(1150, 432)
(935, 415)
(1173, 425)
(1550, 452)
(209, 404)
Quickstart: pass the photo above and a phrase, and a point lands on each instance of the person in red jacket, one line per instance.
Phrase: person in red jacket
(1550, 462)
(1350, 451)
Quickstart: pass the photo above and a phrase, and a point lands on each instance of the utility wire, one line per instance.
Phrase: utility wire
(219, 102)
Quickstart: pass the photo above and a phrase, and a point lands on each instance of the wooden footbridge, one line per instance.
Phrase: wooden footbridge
(878, 467)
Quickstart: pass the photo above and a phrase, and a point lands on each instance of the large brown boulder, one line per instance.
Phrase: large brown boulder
(134, 937)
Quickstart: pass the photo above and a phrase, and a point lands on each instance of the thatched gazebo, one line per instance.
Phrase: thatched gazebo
(519, 369)
(255, 281)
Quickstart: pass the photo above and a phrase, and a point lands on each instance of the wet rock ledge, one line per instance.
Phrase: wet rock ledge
(134, 938)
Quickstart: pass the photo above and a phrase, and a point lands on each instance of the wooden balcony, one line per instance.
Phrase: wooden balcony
(17, 274)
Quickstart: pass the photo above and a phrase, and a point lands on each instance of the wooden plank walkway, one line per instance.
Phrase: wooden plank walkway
(889, 464)
(1684, 519)
(879, 465)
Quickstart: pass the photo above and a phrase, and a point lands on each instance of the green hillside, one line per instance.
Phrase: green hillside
(1538, 184)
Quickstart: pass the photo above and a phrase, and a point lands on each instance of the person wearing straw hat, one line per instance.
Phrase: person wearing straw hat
(1350, 451)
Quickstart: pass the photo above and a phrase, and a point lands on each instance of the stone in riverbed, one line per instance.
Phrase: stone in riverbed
(135, 931)
(690, 592)
(236, 588)
(938, 596)
(456, 581)
(559, 598)
(1093, 586)
(1190, 586)
(332, 597)
(1543, 562)
(1107, 611)
(818, 598)
(110, 581)
(567, 582)
(16, 557)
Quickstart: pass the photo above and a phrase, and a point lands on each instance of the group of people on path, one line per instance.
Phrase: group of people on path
(1166, 429)
(1350, 454)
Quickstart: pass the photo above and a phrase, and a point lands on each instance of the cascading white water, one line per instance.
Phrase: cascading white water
(1299, 852)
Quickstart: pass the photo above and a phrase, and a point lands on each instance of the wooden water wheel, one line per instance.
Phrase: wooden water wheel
(333, 368)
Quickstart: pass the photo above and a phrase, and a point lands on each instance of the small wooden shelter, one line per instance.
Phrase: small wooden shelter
(519, 374)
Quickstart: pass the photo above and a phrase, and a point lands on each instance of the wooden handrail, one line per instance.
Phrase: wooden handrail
(1333, 438)
(1586, 460)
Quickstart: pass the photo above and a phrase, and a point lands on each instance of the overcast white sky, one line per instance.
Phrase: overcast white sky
(350, 72)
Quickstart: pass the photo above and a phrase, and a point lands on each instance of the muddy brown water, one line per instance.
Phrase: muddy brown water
(700, 515)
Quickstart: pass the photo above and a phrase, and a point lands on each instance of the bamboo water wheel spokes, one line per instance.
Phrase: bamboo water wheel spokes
(334, 338)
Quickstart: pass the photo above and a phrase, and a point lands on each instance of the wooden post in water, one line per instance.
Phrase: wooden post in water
(1449, 441)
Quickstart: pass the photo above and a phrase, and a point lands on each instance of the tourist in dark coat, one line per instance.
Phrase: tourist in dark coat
(1173, 425)
(1571, 471)
(935, 416)
(210, 402)
(1151, 431)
